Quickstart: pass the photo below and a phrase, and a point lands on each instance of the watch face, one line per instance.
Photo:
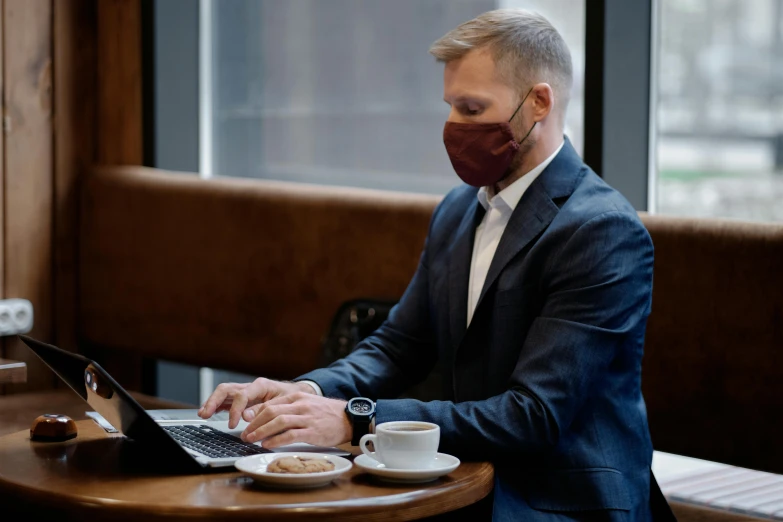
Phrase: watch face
(361, 406)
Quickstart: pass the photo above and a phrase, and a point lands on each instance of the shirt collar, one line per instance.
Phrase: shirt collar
(511, 195)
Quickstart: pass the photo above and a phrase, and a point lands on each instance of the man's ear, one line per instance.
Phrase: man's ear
(543, 101)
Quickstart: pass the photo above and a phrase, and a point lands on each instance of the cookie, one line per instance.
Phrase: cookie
(299, 465)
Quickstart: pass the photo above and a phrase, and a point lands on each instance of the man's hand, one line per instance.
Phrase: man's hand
(298, 417)
(237, 397)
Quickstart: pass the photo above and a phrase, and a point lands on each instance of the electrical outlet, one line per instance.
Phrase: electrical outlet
(16, 316)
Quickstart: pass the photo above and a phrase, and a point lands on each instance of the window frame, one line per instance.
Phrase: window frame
(620, 71)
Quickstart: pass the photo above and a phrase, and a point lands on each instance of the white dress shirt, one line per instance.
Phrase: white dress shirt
(314, 385)
(499, 209)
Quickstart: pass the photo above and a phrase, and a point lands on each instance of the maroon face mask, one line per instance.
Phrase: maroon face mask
(481, 153)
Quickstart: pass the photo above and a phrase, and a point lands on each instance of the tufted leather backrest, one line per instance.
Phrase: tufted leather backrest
(231, 273)
(712, 374)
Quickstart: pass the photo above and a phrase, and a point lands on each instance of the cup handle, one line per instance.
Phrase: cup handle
(363, 445)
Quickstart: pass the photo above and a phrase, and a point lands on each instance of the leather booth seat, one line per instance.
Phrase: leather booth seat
(235, 274)
(712, 373)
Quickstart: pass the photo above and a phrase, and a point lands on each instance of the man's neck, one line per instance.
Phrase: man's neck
(544, 148)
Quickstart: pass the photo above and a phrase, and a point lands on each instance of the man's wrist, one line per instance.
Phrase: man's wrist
(309, 387)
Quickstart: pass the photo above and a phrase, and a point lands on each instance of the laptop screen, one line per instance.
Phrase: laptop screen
(93, 384)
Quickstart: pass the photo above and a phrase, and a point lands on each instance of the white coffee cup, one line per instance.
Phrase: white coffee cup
(403, 444)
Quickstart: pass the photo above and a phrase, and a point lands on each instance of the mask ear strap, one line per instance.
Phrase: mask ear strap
(520, 105)
(528, 133)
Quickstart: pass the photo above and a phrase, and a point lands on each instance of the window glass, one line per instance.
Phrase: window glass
(720, 108)
(345, 92)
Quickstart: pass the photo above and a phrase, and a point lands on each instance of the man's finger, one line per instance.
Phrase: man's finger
(277, 425)
(225, 405)
(237, 407)
(251, 413)
(214, 401)
(287, 399)
(268, 414)
(287, 437)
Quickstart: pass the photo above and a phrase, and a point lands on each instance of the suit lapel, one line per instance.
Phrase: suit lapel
(460, 258)
(535, 211)
(533, 214)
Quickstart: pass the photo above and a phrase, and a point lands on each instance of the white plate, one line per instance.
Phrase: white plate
(255, 466)
(442, 465)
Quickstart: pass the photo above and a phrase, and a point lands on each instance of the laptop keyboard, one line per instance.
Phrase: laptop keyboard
(213, 443)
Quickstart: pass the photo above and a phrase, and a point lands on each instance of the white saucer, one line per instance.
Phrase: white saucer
(255, 466)
(442, 465)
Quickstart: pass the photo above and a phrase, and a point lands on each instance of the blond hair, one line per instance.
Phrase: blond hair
(526, 49)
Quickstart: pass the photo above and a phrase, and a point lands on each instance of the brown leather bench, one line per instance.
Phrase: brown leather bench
(246, 274)
(235, 274)
(713, 365)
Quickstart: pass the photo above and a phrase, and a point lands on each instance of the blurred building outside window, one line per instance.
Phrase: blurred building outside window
(345, 92)
(720, 109)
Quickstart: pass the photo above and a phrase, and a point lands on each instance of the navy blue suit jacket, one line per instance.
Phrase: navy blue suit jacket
(546, 381)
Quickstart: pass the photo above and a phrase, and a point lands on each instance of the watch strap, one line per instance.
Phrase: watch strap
(361, 427)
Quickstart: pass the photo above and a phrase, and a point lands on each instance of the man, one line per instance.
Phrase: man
(532, 292)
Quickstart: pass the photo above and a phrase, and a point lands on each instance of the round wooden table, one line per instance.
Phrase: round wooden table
(104, 477)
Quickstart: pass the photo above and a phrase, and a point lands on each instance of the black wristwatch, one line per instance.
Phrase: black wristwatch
(361, 412)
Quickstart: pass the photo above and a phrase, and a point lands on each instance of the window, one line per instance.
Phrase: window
(344, 92)
(720, 108)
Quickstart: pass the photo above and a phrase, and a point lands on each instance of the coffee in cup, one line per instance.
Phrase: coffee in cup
(403, 444)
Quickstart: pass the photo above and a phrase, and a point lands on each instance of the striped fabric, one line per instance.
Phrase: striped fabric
(719, 486)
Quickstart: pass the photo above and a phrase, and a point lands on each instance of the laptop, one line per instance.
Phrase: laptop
(179, 437)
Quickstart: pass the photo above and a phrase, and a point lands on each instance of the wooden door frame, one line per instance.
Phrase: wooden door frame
(72, 84)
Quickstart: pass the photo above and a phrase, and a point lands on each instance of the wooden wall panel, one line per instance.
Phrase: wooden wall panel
(93, 50)
(120, 82)
(27, 45)
(120, 133)
(75, 95)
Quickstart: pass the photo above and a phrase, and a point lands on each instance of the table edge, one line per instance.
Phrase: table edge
(463, 494)
(342, 507)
